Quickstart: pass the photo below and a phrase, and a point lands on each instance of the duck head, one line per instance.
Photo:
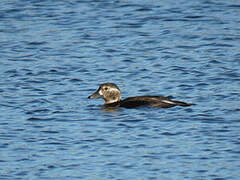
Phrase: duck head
(109, 92)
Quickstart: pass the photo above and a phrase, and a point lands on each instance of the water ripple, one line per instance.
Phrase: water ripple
(55, 53)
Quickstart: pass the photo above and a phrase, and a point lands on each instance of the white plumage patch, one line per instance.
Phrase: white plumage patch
(100, 93)
(169, 102)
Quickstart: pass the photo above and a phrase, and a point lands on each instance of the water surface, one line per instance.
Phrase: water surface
(54, 54)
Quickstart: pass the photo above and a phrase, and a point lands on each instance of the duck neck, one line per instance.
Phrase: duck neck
(113, 100)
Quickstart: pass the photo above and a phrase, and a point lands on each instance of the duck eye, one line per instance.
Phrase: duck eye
(105, 88)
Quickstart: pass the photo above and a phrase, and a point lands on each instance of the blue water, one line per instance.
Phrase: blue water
(54, 54)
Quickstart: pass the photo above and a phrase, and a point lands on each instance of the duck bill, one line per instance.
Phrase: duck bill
(95, 95)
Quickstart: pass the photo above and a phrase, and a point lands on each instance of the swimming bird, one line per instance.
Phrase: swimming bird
(111, 94)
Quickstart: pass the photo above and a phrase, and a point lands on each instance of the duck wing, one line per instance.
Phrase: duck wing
(155, 101)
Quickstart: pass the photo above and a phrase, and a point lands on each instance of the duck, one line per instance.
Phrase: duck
(111, 94)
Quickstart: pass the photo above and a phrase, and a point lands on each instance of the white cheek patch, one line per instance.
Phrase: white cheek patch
(169, 102)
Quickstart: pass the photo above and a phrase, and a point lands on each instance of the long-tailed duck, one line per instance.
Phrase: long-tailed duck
(111, 93)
